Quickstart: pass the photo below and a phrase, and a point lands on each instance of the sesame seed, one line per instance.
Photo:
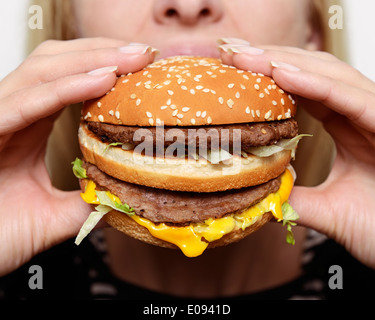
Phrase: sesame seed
(163, 107)
(113, 89)
(238, 95)
(170, 92)
(149, 114)
(192, 121)
(283, 101)
(145, 73)
(231, 85)
(167, 82)
(198, 114)
(184, 88)
(173, 106)
(253, 113)
(174, 113)
(248, 110)
(133, 96)
(151, 121)
(274, 103)
(99, 104)
(185, 109)
(230, 103)
(261, 95)
(221, 100)
(117, 114)
(246, 77)
(209, 120)
(180, 116)
(169, 101)
(158, 122)
(256, 86)
(138, 84)
(268, 115)
(259, 80)
(88, 115)
(279, 117)
(111, 112)
(179, 122)
(266, 91)
(258, 113)
(125, 80)
(192, 91)
(101, 118)
(199, 87)
(281, 91)
(138, 102)
(264, 131)
(242, 87)
(204, 113)
(206, 90)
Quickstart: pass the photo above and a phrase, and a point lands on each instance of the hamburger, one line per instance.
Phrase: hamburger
(188, 153)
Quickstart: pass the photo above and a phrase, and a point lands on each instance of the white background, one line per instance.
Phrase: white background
(359, 26)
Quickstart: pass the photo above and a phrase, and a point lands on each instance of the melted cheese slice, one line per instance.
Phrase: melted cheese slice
(194, 239)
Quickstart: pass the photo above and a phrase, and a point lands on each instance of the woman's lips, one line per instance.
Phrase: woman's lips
(189, 50)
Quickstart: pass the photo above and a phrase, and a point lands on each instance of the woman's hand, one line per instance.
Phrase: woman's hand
(343, 207)
(33, 214)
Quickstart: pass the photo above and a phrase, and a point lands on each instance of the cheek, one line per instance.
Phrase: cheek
(278, 22)
(110, 18)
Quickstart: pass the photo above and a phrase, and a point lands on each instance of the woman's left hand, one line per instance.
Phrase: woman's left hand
(344, 100)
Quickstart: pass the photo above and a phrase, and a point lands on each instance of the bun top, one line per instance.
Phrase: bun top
(191, 91)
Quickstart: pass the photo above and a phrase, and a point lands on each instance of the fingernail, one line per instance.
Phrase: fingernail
(137, 48)
(285, 66)
(104, 70)
(238, 48)
(231, 40)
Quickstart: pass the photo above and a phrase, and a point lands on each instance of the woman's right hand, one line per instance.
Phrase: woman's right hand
(33, 214)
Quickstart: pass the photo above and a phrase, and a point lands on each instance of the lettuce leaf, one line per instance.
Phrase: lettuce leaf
(78, 170)
(217, 156)
(105, 206)
(284, 144)
(91, 222)
(289, 218)
(104, 199)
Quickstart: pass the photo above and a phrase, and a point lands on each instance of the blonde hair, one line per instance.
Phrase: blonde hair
(315, 156)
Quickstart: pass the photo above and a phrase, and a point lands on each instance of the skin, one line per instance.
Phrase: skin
(32, 97)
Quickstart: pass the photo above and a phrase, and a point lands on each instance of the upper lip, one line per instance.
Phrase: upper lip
(189, 49)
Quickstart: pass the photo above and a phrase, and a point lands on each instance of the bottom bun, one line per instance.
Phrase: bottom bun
(131, 228)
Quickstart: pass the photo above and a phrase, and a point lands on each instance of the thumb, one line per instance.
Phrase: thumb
(68, 218)
(313, 208)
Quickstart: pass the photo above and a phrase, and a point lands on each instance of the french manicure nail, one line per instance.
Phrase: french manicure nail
(104, 70)
(135, 48)
(232, 40)
(238, 48)
(285, 66)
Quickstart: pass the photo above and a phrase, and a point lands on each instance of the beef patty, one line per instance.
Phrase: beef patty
(252, 135)
(178, 207)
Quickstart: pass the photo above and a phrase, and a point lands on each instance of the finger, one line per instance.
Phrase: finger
(354, 103)
(311, 206)
(52, 47)
(31, 104)
(257, 59)
(42, 69)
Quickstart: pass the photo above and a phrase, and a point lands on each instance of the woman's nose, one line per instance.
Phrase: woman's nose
(187, 12)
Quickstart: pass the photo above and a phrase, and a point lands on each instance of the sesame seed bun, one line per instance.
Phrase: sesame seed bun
(191, 91)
